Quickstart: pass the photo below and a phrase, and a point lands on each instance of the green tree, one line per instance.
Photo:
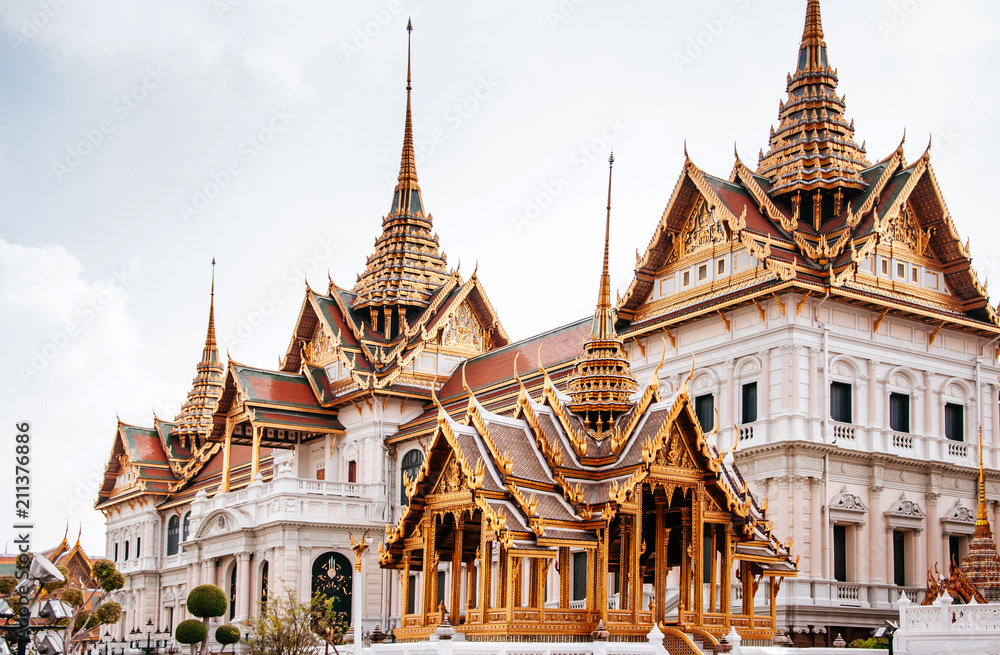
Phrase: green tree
(227, 634)
(284, 627)
(87, 602)
(206, 602)
(329, 623)
(191, 632)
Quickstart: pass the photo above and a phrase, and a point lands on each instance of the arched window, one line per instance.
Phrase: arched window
(232, 594)
(410, 466)
(186, 527)
(263, 585)
(173, 534)
(331, 578)
(126, 550)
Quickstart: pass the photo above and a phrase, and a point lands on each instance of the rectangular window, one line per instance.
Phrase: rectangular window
(885, 267)
(170, 619)
(321, 474)
(956, 549)
(915, 275)
(116, 552)
(126, 551)
(749, 402)
(721, 267)
(931, 280)
(703, 272)
(138, 545)
(352, 471)
(899, 412)
(901, 270)
(899, 558)
(954, 422)
(411, 596)
(580, 575)
(840, 402)
(686, 279)
(840, 553)
(442, 588)
(704, 407)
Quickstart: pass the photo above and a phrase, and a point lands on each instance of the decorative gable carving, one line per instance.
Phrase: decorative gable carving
(846, 507)
(905, 514)
(959, 520)
(702, 229)
(464, 331)
(904, 230)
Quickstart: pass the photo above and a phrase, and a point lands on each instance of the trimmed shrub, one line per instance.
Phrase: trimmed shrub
(102, 568)
(227, 634)
(113, 582)
(191, 631)
(72, 596)
(7, 584)
(207, 601)
(108, 613)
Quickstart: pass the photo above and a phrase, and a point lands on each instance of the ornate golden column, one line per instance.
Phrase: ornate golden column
(255, 454)
(698, 552)
(564, 578)
(456, 572)
(405, 582)
(660, 573)
(636, 573)
(430, 568)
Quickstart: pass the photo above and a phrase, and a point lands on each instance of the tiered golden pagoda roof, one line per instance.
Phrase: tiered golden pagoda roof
(982, 564)
(195, 418)
(603, 383)
(813, 147)
(406, 267)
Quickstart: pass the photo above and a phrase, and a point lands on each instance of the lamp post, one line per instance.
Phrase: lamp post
(357, 585)
(151, 646)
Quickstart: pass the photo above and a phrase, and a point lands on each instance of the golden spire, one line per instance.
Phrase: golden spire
(982, 564)
(210, 337)
(813, 146)
(407, 265)
(406, 198)
(603, 382)
(195, 417)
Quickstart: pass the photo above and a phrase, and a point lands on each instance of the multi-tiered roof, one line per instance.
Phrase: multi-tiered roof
(815, 218)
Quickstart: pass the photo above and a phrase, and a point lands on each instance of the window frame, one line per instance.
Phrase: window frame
(898, 397)
(848, 388)
(744, 413)
(950, 424)
(698, 403)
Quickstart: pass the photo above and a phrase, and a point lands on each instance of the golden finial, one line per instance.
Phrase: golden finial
(210, 337)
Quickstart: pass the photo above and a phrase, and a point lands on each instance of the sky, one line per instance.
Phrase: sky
(140, 140)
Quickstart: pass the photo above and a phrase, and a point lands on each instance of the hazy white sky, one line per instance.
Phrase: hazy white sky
(139, 140)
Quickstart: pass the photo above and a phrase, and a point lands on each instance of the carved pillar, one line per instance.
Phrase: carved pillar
(698, 551)
(934, 542)
(243, 585)
(859, 551)
(727, 575)
(796, 368)
(602, 575)
(730, 393)
(929, 402)
(765, 379)
(814, 382)
(456, 572)
(994, 404)
(817, 528)
(405, 585)
(208, 571)
(429, 597)
(224, 486)
(919, 571)
(485, 569)
(660, 565)
(876, 536)
(564, 578)
(255, 454)
(636, 572)
(872, 393)
(685, 603)
(797, 517)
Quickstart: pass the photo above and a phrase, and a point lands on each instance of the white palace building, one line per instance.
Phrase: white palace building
(842, 342)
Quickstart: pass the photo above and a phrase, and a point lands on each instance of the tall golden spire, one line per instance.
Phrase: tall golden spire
(406, 198)
(813, 146)
(982, 564)
(603, 382)
(407, 266)
(195, 418)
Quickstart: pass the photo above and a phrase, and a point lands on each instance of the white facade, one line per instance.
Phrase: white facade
(859, 478)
